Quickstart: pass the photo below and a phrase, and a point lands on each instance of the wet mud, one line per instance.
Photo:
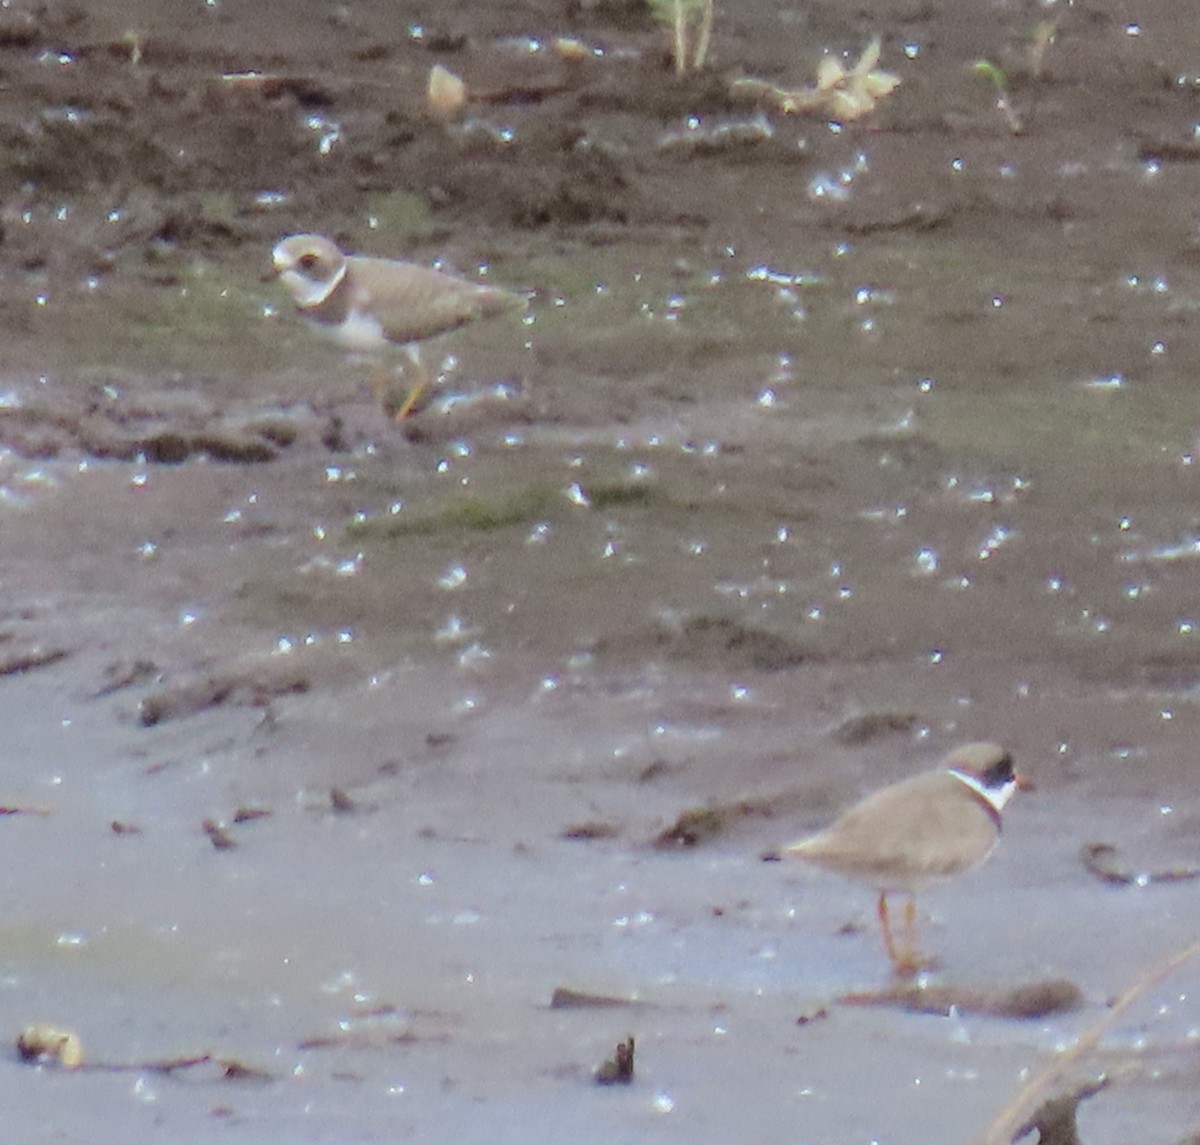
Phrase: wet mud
(370, 781)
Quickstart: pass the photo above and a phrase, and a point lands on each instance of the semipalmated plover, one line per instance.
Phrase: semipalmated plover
(933, 826)
(367, 305)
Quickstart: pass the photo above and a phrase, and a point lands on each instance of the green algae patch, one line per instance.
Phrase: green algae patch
(399, 214)
(477, 514)
(638, 496)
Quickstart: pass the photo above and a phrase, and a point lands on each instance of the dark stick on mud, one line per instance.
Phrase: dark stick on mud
(618, 1070)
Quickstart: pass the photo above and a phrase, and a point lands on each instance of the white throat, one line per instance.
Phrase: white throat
(308, 292)
(996, 797)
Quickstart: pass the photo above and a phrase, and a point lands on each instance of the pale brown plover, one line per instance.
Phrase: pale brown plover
(935, 825)
(368, 305)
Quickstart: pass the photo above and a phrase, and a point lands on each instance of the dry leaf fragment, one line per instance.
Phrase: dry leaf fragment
(565, 998)
(572, 50)
(42, 1042)
(446, 94)
(844, 94)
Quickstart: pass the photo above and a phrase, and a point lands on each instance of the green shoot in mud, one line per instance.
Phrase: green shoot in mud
(691, 23)
(1031, 66)
(996, 76)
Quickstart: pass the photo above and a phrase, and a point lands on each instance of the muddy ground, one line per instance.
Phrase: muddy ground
(333, 747)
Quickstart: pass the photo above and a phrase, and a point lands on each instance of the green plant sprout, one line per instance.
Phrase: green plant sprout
(996, 76)
(690, 22)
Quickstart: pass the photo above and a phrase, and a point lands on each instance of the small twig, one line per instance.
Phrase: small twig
(221, 839)
(618, 1070)
(1100, 859)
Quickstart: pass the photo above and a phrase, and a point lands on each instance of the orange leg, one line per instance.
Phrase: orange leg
(409, 406)
(385, 395)
(910, 927)
(417, 391)
(904, 958)
(889, 942)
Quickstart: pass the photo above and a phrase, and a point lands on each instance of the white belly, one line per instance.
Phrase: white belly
(360, 332)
